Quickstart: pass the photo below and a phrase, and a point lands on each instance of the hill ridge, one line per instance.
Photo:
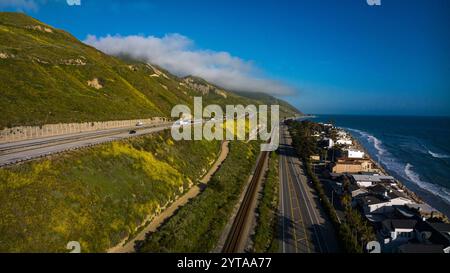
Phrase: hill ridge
(48, 76)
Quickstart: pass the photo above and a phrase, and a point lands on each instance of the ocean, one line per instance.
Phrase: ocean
(415, 150)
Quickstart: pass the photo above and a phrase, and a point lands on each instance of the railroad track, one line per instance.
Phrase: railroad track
(236, 239)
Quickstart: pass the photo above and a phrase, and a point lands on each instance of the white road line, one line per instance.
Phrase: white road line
(282, 205)
(306, 203)
(307, 200)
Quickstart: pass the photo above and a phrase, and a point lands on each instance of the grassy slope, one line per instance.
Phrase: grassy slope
(34, 92)
(198, 225)
(96, 196)
(37, 86)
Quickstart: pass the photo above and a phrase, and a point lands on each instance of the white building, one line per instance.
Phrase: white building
(365, 181)
(326, 124)
(374, 204)
(329, 143)
(397, 231)
(355, 154)
(343, 141)
(342, 134)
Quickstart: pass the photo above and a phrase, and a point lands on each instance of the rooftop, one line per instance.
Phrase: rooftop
(380, 189)
(421, 248)
(393, 224)
(372, 178)
(423, 208)
(371, 200)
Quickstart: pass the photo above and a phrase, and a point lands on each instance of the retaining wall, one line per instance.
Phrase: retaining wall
(49, 130)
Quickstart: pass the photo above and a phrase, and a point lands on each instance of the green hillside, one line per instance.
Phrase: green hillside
(97, 196)
(286, 109)
(48, 76)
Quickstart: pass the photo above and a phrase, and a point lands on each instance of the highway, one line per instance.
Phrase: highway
(303, 224)
(17, 152)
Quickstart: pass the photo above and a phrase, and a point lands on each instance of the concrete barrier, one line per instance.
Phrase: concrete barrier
(49, 130)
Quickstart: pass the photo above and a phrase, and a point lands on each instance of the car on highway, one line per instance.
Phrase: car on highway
(132, 132)
(139, 124)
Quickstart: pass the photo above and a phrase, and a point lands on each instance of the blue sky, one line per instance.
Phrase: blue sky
(326, 56)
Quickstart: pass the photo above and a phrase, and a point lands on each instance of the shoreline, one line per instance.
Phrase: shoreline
(410, 193)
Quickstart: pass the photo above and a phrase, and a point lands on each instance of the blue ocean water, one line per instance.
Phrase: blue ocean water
(416, 150)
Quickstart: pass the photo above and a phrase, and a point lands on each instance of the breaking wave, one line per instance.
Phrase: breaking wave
(437, 155)
(415, 178)
(377, 144)
(407, 172)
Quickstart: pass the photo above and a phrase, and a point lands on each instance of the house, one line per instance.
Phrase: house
(328, 143)
(420, 248)
(355, 153)
(356, 191)
(423, 210)
(352, 166)
(387, 191)
(434, 233)
(344, 141)
(371, 180)
(397, 231)
(382, 204)
(329, 125)
(342, 134)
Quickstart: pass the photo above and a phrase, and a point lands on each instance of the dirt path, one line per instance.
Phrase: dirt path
(160, 218)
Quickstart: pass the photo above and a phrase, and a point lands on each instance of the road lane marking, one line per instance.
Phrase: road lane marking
(292, 211)
(305, 195)
(303, 223)
(282, 205)
(298, 204)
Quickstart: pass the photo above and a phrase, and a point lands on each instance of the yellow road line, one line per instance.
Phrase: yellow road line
(301, 216)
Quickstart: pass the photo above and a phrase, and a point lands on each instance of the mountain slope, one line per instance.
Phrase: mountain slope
(48, 76)
(286, 109)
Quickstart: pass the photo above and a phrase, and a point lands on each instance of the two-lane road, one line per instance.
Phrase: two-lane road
(304, 226)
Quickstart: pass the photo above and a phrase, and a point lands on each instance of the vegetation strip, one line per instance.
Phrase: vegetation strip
(266, 229)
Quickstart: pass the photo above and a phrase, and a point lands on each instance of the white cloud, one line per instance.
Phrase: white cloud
(178, 54)
(30, 5)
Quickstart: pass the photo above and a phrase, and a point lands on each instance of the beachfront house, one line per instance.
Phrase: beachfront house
(329, 125)
(420, 248)
(342, 134)
(328, 143)
(355, 190)
(344, 141)
(415, 236)
(434, 233)
(382, 204)
(371, 180)
(347, 165)
(423, 210)
(397, 231)
(355, 154)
